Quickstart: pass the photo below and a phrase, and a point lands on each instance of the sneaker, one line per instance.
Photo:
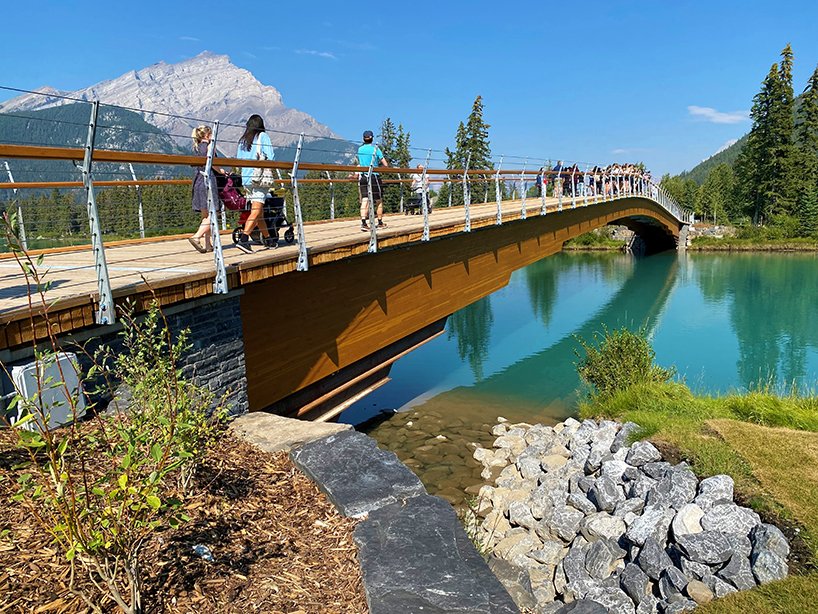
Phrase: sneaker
(244, 244)
(270, 243)
(381, 224)
(195, 243)
(364, 227)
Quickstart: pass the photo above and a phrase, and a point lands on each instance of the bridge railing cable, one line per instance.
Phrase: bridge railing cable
(112, 178)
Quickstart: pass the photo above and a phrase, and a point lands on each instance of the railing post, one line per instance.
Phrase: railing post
(543, 190)
(424, 191)
(373, 236)
(331, 196)
(585, 186)
(105, 311)
(559, 186)
(498, 219)
(596, 187)
(574, 187)
(303, 262)
(139, 203)
(20, 225)
(400, 183)
(522, 191)
(220, 283)
(451, 189)
(467, 195)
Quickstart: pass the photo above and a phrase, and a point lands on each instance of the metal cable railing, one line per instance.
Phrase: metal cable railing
(99, 196)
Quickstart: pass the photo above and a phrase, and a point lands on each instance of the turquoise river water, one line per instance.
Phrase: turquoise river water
(727, 322)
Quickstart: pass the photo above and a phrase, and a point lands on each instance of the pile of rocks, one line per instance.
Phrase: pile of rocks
(578, 515)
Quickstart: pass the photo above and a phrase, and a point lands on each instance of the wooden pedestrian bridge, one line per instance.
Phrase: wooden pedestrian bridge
(322, 320)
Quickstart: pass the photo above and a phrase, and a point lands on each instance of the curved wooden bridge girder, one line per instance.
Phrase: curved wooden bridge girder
(349, 320)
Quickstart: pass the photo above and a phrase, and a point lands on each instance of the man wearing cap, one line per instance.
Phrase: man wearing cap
(370, 154)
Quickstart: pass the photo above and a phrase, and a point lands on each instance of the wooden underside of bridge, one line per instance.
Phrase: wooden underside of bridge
(302, 327)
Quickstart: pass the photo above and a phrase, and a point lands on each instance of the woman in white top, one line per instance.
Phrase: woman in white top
(254, 144)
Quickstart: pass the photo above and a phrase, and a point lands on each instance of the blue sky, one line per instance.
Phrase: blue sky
(663, 82)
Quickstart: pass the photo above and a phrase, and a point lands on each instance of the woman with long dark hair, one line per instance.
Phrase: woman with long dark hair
(254, 144)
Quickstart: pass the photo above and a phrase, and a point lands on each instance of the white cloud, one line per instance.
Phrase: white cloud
(713, 116)
(252, 56)
(192, 39)
(619, 151)
(320, 54)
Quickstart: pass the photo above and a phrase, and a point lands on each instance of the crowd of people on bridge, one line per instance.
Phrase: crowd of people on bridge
(607, 181)
(255, 144)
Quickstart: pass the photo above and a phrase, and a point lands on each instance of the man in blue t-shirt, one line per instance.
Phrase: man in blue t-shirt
(370, 154)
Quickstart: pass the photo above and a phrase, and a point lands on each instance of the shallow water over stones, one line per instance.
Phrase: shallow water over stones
(438, 449)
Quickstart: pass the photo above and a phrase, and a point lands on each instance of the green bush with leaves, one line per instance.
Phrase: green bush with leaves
(617, 360)
(102, 486)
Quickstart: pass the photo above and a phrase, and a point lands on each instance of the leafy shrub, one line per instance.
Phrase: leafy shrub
(100, 487)
(618, 360)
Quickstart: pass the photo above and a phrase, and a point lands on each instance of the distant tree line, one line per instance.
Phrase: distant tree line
(773, 184)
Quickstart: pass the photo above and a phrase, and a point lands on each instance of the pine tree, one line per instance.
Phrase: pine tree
(768, 165)
(808, 127)
(472, 145)
(387, 139)
(402, 155)
(806, 209)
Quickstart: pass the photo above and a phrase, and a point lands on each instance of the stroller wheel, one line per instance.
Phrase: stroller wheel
(289, 235)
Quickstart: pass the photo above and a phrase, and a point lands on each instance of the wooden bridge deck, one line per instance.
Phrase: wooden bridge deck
(170, 270)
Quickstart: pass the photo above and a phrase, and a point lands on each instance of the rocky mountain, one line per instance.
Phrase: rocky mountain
(178, 97)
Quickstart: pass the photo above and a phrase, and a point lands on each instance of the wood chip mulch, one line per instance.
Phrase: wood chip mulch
(278, 546)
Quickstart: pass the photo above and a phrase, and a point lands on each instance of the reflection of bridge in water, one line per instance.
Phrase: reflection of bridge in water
(546, 381)
(311, 327)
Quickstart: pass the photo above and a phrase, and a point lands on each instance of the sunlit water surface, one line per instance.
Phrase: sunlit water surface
(726, 322)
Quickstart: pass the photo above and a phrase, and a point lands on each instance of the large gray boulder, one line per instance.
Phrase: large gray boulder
(730, 518)
(642, 452)
(738, 573)
(713, 490)
(769, 537)
(707, 547)
(653, 559)
(635, 582)
(653, 523)
(687, 520)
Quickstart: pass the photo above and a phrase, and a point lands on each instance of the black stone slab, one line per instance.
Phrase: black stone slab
(355, 474)
(416, 558)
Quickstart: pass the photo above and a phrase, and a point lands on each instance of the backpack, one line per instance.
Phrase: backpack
(231, 197)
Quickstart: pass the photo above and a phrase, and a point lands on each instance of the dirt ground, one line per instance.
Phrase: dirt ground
(277, 544)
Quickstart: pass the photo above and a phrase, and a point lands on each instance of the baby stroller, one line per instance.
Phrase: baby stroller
(274, 217)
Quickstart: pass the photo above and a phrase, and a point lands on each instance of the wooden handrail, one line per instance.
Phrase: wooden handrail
(107, 155)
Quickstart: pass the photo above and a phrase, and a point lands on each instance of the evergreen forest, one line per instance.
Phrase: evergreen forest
(766, 184)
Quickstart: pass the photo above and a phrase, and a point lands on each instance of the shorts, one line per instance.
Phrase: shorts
(256, 194)
(363, 190)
